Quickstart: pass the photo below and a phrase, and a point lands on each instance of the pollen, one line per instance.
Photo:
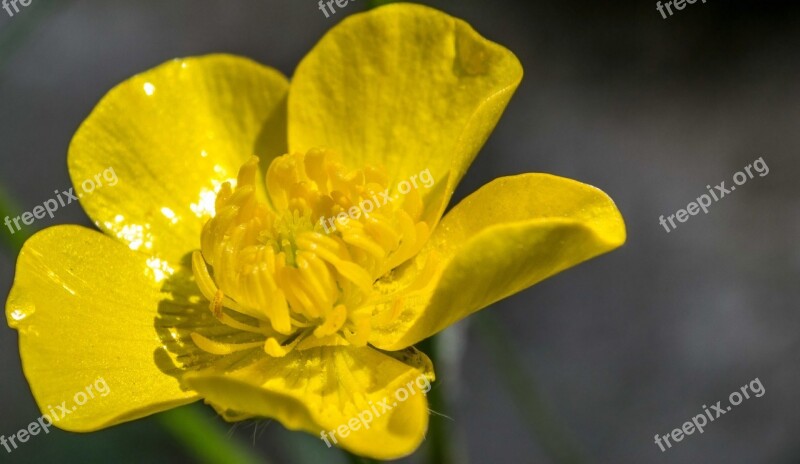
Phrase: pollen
(296, 259)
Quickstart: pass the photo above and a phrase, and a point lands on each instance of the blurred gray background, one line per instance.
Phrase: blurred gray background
(620, 348)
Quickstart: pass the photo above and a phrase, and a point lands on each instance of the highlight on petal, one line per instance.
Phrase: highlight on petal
(84, 306)
(405, 86)
(508, 235)
(352, 392)
(172, 135)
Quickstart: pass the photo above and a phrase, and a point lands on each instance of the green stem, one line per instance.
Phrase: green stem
(203, 438)
(549, 431)
(439, 428)
(12, 241)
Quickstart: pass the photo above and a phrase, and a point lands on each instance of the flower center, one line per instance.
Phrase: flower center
(298, 265)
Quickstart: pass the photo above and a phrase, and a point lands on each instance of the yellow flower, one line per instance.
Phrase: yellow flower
(292, 298)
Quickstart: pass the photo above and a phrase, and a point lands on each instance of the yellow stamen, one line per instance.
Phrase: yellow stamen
(292, 262)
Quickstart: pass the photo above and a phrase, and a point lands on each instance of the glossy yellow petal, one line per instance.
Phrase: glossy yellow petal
(507, 236)
(85, 306)
(352, 392)
(404, 86)
(171, 136)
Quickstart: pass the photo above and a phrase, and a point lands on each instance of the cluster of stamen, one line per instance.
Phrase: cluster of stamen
(269, 265)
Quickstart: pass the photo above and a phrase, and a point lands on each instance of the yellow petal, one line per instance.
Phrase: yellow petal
(507, 236)
(404, 86)
(171, 136)
(85, 306)
(326, 389)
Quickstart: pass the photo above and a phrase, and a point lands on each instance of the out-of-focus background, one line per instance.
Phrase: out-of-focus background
(585, 367)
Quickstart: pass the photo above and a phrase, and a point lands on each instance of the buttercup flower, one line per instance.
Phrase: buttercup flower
(218, 275)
